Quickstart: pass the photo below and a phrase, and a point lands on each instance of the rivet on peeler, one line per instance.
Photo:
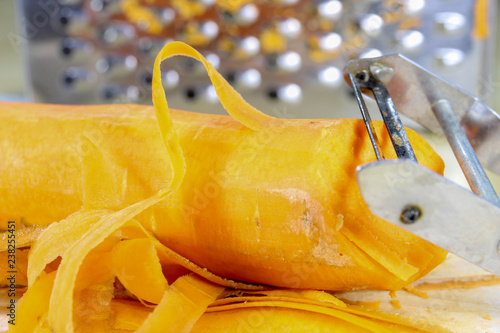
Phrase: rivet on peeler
(363, 76)
(410, 214)
(382, 73)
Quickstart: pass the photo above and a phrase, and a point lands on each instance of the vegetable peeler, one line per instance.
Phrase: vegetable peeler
(412, 197)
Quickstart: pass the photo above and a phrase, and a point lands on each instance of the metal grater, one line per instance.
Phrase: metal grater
(284, 56)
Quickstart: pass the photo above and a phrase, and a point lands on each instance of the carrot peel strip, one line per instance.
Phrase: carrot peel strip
(60, 311)
(24, 237)
(182, 304)
(137, 266)
(234, 104)
(57, 238)
(33, 306)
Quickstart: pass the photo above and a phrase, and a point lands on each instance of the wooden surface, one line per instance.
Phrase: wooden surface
(459, 310)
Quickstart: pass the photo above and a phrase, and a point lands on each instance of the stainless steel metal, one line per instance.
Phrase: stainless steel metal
(392, 122)
(367, 119)
(324, 33)
(412, 197)
(451, 217)
(370, 80)
(414, 89)
(473, 171)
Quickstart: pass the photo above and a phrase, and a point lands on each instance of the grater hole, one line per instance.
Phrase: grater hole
(330, 77)
(289, 61)
(71, 76)
(170, 79)
(109, 93)
(227, 15)
(449, 57)
(191, 93)
(147, 80)
(64, 20)
(68, 80)
(189, 65)
(77, 79)
(76, 48)
(272, 61)
(231, 77)
(66, 50)
(330, 10)
(410, 40)
(273, 94)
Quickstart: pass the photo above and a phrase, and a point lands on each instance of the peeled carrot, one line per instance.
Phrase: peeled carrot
(248, 197)
(275, 208)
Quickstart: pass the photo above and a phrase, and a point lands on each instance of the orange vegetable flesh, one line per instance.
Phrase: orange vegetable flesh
(141, 272)
(286, 214)
(272, 314)
(182, 305)
(93, 292)
(248, 197)
(20, 267)
(33, 306)
(23, 237)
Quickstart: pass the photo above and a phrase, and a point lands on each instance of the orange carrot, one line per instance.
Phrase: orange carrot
(245, 197)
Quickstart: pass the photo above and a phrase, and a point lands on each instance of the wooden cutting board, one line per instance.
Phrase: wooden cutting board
(465, 308)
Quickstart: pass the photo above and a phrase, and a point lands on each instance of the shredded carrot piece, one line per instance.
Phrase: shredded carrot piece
(24, 237)
(462, 283)
(412, 290)
(32, 308)
(137, 266)
(57, 239)
(182, 304)
(396, 304)
(60, 311)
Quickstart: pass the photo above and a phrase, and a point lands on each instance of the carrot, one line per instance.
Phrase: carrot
(245, 197)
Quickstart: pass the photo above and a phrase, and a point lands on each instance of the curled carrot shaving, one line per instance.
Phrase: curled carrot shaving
(137, 266)
(234, 104)
(32, 308)
(181, 306)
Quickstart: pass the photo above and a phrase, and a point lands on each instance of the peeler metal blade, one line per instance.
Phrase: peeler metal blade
(433, 208)
(412, 197)
(414, 90)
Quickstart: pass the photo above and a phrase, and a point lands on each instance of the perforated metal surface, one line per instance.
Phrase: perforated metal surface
(285, 56)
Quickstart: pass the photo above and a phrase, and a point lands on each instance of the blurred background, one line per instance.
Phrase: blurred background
(284, 56)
